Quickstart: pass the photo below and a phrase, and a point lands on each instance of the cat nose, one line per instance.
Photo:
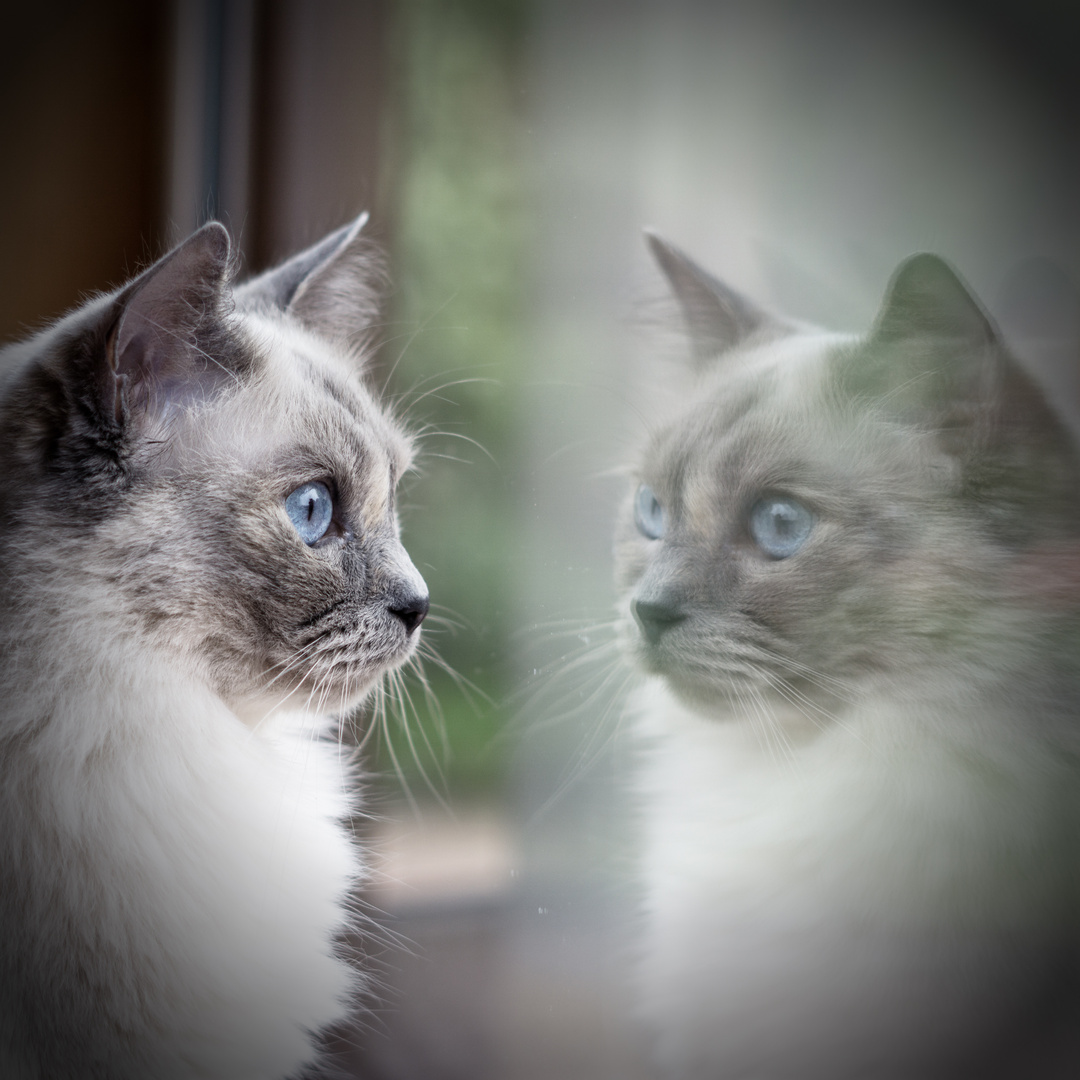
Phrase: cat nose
(656, 616)
(410, 610)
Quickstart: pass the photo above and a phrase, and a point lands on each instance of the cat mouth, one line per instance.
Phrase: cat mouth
(680, 654)
(652, 658)
(388, 617)
(375, 651)
(340, 652)
(724, 684)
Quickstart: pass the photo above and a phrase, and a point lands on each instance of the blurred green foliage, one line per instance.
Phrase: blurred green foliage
(456, 178)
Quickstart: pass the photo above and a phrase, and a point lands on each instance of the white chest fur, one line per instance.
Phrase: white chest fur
(874, 901)
(175, 886)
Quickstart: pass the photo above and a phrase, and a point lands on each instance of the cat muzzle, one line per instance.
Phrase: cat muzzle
(656, 617)
(410, 610)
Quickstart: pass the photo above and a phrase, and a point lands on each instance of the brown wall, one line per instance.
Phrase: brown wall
(86, 135)
(82, 89)
(319, 91)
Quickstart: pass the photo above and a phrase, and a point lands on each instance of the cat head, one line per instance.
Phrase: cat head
(200, 469)
(830, 510)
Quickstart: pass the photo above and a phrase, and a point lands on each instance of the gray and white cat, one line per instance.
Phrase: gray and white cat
(200, 566)
(851, 571)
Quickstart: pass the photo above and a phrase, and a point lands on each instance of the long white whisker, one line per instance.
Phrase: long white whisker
(412, 336)
(409, 708)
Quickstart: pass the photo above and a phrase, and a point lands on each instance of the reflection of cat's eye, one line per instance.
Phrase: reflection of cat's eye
(310, 509)
(780, 526)
(648, 513)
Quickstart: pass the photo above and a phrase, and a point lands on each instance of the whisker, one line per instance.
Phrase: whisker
(597, 742)
(408, 707)
(412, 336)
(465, 438)
(398, 771)
(840, 688)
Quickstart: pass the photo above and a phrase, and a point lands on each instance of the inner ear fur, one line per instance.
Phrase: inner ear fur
(167, 347)
(105, 375)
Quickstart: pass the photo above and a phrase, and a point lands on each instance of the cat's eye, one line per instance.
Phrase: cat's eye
(648, 513)
(780, 526)
(310, 508)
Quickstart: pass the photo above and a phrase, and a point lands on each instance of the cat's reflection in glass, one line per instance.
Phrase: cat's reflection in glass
(847, 568)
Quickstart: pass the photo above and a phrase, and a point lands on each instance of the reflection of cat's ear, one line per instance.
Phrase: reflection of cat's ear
(933, 356)
(717, 317)
(932, 347)
(925, 298)
(329, 287)
(160, 349)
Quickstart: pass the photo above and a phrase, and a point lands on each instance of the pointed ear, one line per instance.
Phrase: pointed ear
(934, 358)
(931, 349)
(331, 287)
(926, 299)
(161, 351)
(717, 317)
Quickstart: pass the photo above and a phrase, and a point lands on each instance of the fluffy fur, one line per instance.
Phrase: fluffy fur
(173, 866)
(860, 763)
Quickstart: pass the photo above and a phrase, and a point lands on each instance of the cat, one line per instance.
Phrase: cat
(850, 573)
(200, 568)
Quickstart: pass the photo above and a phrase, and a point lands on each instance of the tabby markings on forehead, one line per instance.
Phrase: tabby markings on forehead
(370, 466)
(349, 401)
(368, 432)
(366, 416)
(675, 451)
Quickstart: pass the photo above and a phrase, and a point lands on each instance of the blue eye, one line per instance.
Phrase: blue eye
(648, 513)
(780, 526)
(310, 509)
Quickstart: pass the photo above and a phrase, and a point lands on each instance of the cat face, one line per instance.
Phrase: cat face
(214, 479)
(831, 511)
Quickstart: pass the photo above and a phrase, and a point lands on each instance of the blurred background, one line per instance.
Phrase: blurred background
(510, 152)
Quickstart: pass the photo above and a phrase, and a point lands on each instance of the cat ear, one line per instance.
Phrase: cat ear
(717, 317)
(158, 351)
(329, 287)
(926, 299)
(934, 356)
(931, 347)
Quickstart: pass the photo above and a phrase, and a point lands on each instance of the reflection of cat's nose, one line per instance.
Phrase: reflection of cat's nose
(411, 611)
(655, 617)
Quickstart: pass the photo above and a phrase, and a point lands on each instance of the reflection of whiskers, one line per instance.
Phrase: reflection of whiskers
(586, 686)
(771, 728)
